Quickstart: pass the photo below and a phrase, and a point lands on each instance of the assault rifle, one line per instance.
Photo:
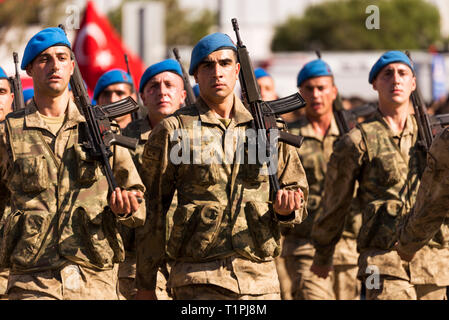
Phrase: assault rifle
(96, 134)
(425, 134)
(265, 112)
(16, 84)
(190, 99)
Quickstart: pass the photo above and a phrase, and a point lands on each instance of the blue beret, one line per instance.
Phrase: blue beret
(28, 94)
(207, 45)
(111, 77)
(3, 74)
(387, 58)
(196, 90)
(41, 41)
(260, 73)
(314, 68)
(166, 65)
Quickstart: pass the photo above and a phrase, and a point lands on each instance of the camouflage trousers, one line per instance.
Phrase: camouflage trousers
(4, 273)
(213, 292)
(341, 284)
(71, 282)
(392, 288)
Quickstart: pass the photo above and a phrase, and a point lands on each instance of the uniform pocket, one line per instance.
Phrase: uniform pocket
(203, 174)
(388, 171)
(87, 172)
(264, 229)
(33, 173)
(10, 233)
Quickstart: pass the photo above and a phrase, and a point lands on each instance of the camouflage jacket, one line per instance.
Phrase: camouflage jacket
(387, 167)
(223, 207)
(140, 130)
(314, 154)
(428, 222)
(59, 197)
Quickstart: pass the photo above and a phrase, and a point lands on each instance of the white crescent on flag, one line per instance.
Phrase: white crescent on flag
(104, 57)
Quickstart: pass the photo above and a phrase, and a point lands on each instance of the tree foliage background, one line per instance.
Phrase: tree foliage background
(340, 25)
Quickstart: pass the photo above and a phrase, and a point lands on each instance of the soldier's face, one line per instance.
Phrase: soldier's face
(6, 98)
(394, 84)
(267, 90)
(319, 94)
(163, 94)
(217, 74)
(114, 93)
(51, 71)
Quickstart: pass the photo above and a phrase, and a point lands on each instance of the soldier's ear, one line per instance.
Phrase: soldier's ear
(28, 69)
(237, 68)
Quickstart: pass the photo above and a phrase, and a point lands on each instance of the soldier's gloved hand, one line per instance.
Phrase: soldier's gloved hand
(288, 201)
(123, 202)
(321, 271)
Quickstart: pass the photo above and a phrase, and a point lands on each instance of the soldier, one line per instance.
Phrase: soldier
(426, 226)
(266, 85)
(6, 101)
(382, 154)
(62, 239)
(162, 91)
(320, 131)
(225, 231)
(112, 86)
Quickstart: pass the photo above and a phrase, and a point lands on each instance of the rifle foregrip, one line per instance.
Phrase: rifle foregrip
(291, 139)
(117, 109)
(287, 104)
(124, 141)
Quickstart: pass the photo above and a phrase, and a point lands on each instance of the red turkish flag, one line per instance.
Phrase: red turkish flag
(98, 48)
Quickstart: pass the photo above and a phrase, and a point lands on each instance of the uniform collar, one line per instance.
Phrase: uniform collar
(409, 127)
(307, 130)
(240, 113)
(34, 120)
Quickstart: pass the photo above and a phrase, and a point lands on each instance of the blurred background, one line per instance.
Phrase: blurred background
(281, 36)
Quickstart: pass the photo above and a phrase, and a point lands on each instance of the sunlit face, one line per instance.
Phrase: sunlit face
(319, 94)
(51, 71)
(217, 74)
(163, 94)
(6, 98)
(267, 90)
(394, 84)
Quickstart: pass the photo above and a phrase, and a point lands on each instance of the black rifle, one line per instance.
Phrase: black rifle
(16, 84)
(96, 133)
(425, 133)
(135, 115)
(265, 112)
(190, 99)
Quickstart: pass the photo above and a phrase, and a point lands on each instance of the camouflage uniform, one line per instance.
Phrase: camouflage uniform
(427, 223)
(298, 249)
(61, 239)
(5, 210)
(387, 167)
(225, 234)
(139, 129)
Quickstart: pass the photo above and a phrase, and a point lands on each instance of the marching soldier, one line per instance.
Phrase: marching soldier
(320, 131)
(162, 92)
(61, 238)
(112, 86)
(6, 101)
(383, 156)
(225, 231)
(266, 84)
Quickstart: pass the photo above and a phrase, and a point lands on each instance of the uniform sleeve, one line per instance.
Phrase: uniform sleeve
(339, 184)
(291, 177)
(432, 202)
(128, 178)
(158, 175)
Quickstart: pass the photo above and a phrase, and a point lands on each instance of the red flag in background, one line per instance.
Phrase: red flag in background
(98, 48)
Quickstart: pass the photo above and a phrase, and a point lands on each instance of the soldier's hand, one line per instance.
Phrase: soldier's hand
(124, 203)
(321, 271)
(288, 201)
(404, 256)
(146, 295)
